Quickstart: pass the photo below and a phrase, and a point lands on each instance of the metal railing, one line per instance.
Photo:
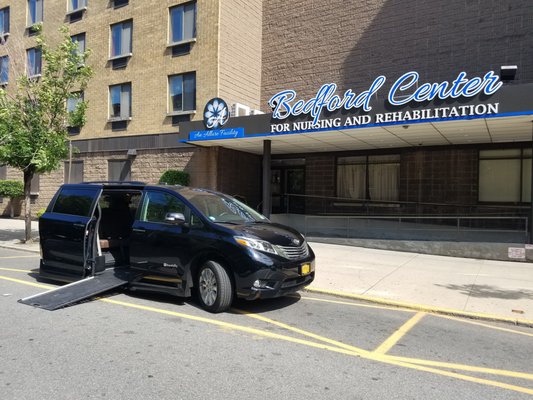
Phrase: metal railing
(349, 218)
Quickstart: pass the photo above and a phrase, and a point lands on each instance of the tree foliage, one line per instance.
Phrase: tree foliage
(175, 177)
(33, 114)
(11, 189)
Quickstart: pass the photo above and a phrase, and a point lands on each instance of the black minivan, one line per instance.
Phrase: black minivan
(172, 239)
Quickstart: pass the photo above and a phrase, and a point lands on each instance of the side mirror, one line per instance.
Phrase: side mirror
(175, 218)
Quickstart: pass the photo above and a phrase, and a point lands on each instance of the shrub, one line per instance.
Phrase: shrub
(11, 189)
(40, 212)
(175, 177)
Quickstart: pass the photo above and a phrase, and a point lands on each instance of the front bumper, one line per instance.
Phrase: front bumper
(279, 280)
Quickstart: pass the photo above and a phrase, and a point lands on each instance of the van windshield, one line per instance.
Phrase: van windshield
(224, 209)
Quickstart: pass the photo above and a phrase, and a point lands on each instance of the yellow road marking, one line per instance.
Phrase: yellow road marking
(367, 355)
(16, 270)
(8, 257)
(498, 328)
(470, 368)
(358, 304)
(422, 307)
(396, 336)
(403, 361)
(353, 349)
(39, 285)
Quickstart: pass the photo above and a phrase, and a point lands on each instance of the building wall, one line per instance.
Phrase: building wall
(147, 166)
(240, 51)
(307, 44)
(147, 70)
(439, 176)
(239, 173)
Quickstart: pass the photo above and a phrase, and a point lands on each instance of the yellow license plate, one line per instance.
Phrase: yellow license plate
(306, 269)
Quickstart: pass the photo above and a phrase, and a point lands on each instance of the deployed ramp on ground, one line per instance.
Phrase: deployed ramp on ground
(73, 292)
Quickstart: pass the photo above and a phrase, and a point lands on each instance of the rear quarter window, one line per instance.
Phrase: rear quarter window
(75, 201)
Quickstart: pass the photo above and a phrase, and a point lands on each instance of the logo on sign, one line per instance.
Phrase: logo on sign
(216, 113)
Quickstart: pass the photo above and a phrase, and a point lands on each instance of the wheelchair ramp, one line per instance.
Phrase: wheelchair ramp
(73, 292)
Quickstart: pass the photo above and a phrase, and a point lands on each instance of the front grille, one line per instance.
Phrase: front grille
(293, 252)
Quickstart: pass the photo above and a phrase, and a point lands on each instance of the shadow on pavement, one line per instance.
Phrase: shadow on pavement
(488, 291)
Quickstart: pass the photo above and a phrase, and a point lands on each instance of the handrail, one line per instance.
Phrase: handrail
(367, 201)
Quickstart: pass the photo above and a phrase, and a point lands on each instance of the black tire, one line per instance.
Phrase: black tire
(214, 288)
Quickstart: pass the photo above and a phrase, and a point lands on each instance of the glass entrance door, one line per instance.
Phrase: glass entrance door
(287, 184)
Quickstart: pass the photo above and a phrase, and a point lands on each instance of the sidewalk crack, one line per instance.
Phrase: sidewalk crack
(390, 273)
(472, 286)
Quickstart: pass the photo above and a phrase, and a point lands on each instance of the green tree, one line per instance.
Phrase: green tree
(13, 190)
(33, 114)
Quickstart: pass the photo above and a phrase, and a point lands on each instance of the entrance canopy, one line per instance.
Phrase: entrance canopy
(457, 132)
(503, 116)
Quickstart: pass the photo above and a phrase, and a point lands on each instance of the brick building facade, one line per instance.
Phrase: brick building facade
(247, 51)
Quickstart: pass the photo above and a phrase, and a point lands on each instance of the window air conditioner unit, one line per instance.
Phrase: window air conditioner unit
(239, 110)
(256, 112)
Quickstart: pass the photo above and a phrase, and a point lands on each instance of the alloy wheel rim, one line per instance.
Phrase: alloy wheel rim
(208, 287)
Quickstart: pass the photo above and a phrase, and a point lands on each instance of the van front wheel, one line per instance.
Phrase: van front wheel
(215, 292)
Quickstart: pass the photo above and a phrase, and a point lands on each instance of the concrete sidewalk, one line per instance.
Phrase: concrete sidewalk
(463, 286)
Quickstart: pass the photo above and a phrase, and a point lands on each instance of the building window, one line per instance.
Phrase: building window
(76, 5)
(4, 70)
(80, 41)
(3, 172)
(119, 170)
(121, 35)
(35, 185)
(182, 23)
(374, 178)
(73, 101)
(120, 101)
(120, 3)
(35, 12)
(505, 175)
(4, 21)
(73, 171)
(34, 62)
(182, 92)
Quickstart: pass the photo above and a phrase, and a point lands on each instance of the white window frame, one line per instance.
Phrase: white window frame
(82, 5)
(39, 12)
(184, 35)
(170, 107)
(129, 44)
(29, 72)
(123, 94)
(6, 58)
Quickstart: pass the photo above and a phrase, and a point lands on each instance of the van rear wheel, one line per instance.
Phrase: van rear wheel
(215, 292)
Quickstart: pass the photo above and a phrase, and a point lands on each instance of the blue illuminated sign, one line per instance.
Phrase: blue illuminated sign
(230, 133)
(286, 104)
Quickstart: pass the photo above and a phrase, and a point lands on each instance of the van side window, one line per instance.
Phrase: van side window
(158, 204)
(75, 201)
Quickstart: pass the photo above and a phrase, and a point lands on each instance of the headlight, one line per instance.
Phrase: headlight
(256, 244)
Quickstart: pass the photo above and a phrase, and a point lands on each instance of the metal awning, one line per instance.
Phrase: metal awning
(458, 132)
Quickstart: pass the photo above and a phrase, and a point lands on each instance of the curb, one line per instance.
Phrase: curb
(424, 308)
(17, 247)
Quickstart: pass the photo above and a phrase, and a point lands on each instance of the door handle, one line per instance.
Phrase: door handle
(139, 230)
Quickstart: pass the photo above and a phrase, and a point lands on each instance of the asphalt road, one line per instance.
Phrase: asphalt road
(126, 346)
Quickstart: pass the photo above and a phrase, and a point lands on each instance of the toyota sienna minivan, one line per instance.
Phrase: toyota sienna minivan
(172, 239)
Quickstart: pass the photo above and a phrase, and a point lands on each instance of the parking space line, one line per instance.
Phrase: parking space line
(463, 367)
(498, 328)
(358, 304)
(353, 349)
(364, 354)
(15, 270)
(39, 285)
(10, 257)
(412, 363)
(389, 343)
